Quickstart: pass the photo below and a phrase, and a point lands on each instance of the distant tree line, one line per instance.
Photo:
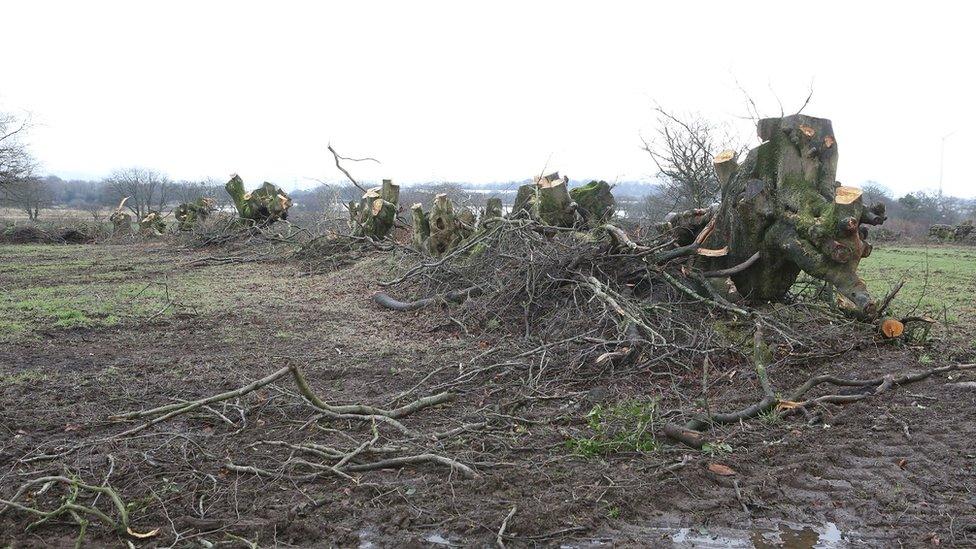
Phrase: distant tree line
(682, 150)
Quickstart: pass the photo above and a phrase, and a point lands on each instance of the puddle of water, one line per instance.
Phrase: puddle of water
(762, 536)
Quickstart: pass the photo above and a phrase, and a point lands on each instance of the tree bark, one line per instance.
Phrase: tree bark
(264, 205)
(785, 204)
(594, 202)
(375, 214)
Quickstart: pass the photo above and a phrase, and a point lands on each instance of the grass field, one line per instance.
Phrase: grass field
(940, 280)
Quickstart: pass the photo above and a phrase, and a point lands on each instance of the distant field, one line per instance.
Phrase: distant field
(941, 280)
(51, 215)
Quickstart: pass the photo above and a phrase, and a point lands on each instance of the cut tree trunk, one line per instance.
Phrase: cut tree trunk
(421, 226)
(263, 206)
(547, 200)
(444, 233)
(189, 214)
(784, 203)
(493, 210)
(121, 221)
(594, 202)
(375, 214)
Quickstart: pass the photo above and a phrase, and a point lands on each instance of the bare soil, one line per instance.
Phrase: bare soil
(895, 470)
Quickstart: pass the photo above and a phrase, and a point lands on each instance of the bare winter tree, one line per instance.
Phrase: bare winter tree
(683, 150)
(16, 163)
(147, 189)
(29, 194)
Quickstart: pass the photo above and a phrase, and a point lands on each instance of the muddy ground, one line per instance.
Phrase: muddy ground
(90, 331)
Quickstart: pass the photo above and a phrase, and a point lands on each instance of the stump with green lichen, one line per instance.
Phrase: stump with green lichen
(550, 200)
(444, 233)
(263, 206)
(493, 210)
(547, 199)
(189, 214)
(152, 224)
(375, 214)
(785, 203)
(421, 226)
(594, 202)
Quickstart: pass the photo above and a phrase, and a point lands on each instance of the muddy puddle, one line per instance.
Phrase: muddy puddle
(779, 535)
(767, 535)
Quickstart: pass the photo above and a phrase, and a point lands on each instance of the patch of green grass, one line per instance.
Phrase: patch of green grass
(627, 426)
(26, 376)
(49, 288)
(716, 449)
(940, 280)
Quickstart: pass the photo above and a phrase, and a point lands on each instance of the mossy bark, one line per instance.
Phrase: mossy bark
(189, 214)
(493, 210)
(547, 200)
(264, 205)
(375, 214)
(785, 203)
(594, 202)
(152, 224)
(421, 226)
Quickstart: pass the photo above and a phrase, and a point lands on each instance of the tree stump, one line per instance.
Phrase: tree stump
(188, 214)
(444, 234)
(785, 203)
(152, 224)
(547, 200)
(264, 205)
(493, 210)
(594, 202)
(121, 221)
(421, 226)
(375, 214)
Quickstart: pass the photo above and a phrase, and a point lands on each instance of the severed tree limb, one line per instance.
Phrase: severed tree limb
(353, 411)
(173, 410)
(344, 171)
(698, 297)
(395, 462)
(735, 269)
(457, 296)
(620, 239)
(690, 434)
(604, 293)
(121, 525)
(500, 538)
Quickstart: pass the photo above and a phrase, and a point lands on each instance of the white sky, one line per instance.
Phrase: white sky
(493, 91)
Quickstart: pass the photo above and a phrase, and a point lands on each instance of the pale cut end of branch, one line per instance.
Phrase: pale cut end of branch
(847, 195)
(721, 252)
(725, 165)
(892, 328)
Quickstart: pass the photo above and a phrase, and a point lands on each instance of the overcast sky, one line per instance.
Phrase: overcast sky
(494, 91)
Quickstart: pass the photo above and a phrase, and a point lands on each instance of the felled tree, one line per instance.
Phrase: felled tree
(782, 211)
(263, 206)
(594, 202)
(375, 213)
(189, 214)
